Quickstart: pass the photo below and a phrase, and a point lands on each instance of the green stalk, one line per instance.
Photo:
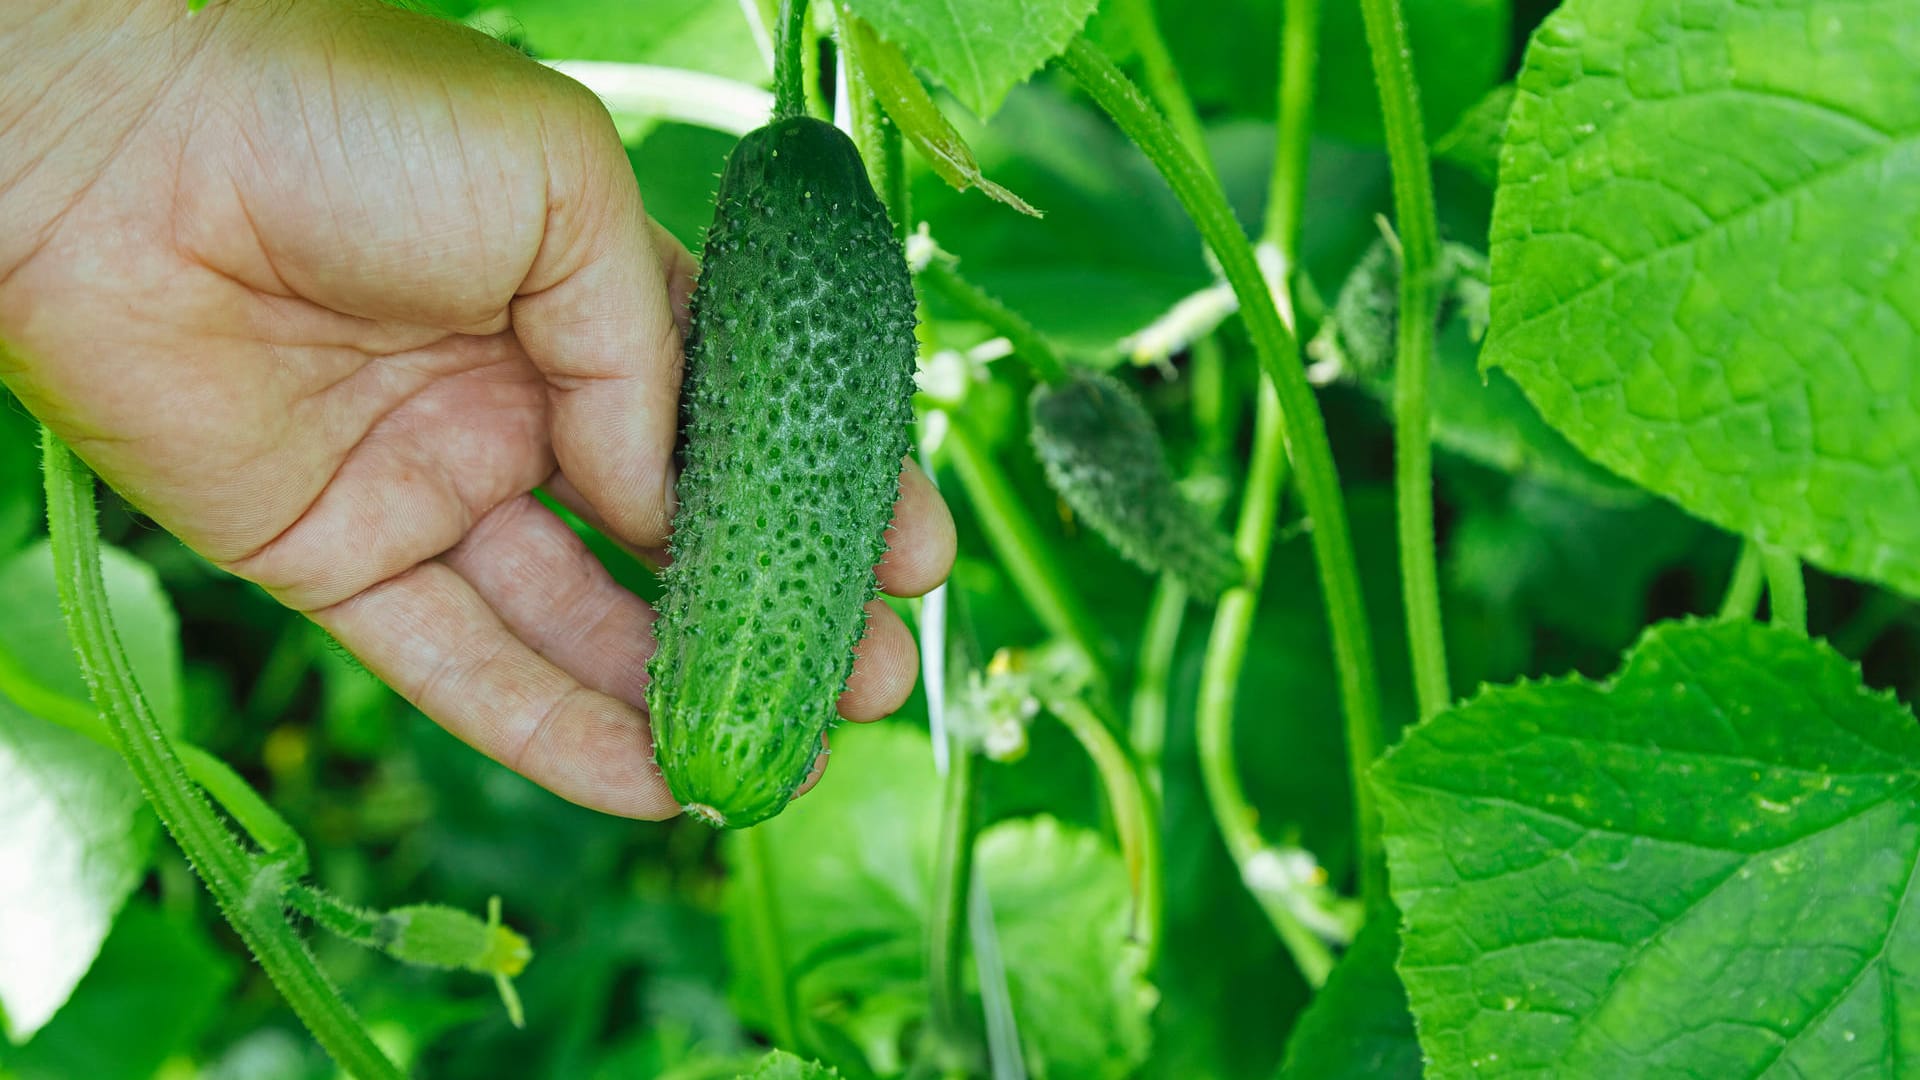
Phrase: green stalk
(1029, 344)
(763, 928)
(1016, 539)
(1147, 732)
(1214, 422)
(1287, 187)
(1303, 429)
(1413, 427)
(1220, 679)
(1743, 588)
(1163, 79)
(1134, 816)
(247, 890)
(789, 63)
(946, 921)
(1786, 590)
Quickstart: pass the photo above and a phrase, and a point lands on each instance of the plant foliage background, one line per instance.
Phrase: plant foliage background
(1701, 276)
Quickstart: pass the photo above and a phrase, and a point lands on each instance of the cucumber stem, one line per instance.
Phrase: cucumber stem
(1303, 428)
(1743, 587)
(1029, 344)
(1412, 426)
(1786, 589)
(789, 65)
(1162, 77)
(1287, 185)
(1135, 817)
(1167, 608)
(1147, 734)
(1226, 657)
(247, 889)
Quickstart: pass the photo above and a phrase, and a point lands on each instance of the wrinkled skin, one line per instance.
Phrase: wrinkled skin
(327, 289)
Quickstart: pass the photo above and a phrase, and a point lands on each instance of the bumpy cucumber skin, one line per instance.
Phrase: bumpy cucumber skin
(797, 410)
(1103, 455)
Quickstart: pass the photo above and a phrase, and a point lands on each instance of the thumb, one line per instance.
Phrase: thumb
(601, 314)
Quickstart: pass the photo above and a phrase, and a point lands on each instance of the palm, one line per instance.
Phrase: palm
(362, 318)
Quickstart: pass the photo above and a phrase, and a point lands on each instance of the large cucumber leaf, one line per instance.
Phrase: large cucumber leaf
(1706, 262)
(1703, 867)
(981, 49)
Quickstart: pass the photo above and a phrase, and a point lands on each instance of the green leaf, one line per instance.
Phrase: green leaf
(154, 991)
(1476, 137)
(886, 72)
(1078, 983)
(780, 1065)
(1704, 262)
(852, 914)
(982, 49)
(74, 813)
(1358, 1026)
(76, 842)
(1702, 867)
(1104, 456)
(34, 634)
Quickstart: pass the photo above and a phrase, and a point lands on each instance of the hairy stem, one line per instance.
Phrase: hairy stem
(1412, 426)
(1027, 556)
(1029, 344)
(1287, 186)
(247, 890)
(1786, 589)
(1169, 93)
(1743, 588)
(1302, 428)
(789, 66)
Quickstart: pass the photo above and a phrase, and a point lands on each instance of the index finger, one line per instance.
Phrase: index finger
(597, 316)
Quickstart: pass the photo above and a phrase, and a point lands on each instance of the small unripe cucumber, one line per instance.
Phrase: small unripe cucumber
(1103, 455)
(797, 411)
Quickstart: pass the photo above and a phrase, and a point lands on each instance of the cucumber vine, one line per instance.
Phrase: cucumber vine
(1413, 378)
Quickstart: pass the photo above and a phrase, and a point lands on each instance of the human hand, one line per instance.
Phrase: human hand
(327, 289)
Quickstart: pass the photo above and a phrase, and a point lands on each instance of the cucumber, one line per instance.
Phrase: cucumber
(797, 411)
(1102, 454)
